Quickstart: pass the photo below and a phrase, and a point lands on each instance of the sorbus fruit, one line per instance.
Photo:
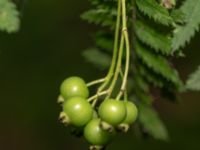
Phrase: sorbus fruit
(78, 111)
(74, 87)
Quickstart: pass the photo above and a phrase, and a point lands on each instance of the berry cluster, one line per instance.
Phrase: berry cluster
(98, 123)
(99, 117)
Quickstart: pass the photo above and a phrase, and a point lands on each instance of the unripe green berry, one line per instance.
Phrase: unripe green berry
(112, 111)
(95, 135)
(78, 110)
(74, 87)
(132, 112)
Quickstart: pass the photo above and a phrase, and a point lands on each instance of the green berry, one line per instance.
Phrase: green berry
(95, 135)
(74, 87)
(132, 112)
(112, 112)
(78, 110)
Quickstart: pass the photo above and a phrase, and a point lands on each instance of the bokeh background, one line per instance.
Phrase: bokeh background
(34, 61)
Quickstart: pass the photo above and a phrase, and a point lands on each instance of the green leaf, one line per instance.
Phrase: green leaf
(9, 16)
(184, 33)
(158, 64)
(153, 38)
(144, 97)
(150, 120)
(155, 80)
(104, 42)
(101, 16)
(140, 82)
(152, 9)
(178, 16)
(97, 58)
(193, 82)
(141, 89)
(141, 95)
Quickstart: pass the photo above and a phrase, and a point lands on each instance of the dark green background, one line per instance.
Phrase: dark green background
(47, 49)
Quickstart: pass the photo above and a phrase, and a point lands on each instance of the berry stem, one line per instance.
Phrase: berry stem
(116, 63)
(95, 82)
(115, 50)
(126, 37)
(97, 95)
(125, 91)
(118, 67)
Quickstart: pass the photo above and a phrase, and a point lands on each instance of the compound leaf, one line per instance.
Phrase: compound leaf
(184, 33)
(152, 9)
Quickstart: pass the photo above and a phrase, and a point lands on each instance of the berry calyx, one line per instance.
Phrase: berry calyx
(63, 118)
(96, 147)
(60, 100)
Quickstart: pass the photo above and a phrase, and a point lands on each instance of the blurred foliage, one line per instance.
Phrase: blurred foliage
(151, 122)
(193, 82)
(9, 16)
